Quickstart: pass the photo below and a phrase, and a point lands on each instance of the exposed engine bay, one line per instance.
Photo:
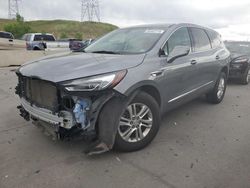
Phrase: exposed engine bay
(63, 114)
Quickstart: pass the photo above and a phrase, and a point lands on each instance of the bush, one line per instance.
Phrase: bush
(18, 28)
(63, 35)
(78, 35)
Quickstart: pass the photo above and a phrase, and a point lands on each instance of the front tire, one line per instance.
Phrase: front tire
(139, 123)
(218, 92)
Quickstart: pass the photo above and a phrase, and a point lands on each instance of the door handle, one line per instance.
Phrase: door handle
(193, 62)
(157, 73)
(217, 57)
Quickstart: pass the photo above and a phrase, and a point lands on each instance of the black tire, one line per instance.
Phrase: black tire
(212, 97)
(245, 78)
(150, 102)
(36, 49)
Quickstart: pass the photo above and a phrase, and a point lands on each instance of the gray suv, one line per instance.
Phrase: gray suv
(114, 92)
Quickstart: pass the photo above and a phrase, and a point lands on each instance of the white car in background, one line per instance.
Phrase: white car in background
(44, 41)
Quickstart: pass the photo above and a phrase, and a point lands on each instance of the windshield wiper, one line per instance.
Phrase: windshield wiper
(105, 52)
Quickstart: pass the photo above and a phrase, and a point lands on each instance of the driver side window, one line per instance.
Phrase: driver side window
(178, 38)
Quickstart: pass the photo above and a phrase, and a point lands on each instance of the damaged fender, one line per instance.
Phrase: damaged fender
(109, 118)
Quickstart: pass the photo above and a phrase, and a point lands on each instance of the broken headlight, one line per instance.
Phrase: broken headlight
(95, 83)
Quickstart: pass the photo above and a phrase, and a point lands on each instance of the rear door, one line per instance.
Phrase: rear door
(204, 57)
(218, 52)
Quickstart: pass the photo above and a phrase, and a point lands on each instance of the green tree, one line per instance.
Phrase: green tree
(18, 28)
(19, 18)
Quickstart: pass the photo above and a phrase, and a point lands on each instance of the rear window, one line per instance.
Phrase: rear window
(215, 38)
(200, 39)
(6, 35)
(44, 38)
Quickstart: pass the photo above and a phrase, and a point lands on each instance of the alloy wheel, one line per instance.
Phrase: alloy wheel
(135, 123)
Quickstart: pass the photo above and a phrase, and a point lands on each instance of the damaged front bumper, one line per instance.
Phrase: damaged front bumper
(79, 121)
(65, 119)
(66, 114)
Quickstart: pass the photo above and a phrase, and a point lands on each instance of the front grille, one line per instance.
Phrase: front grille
(41, 93)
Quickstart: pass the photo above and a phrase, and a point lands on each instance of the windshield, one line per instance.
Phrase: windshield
(126, 41)
(239, 47)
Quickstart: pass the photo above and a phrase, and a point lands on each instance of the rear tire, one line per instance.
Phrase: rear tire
(245, 78)
(139, 123)
(218, 92)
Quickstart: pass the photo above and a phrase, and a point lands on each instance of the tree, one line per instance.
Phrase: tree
(19, 18)
(18, 28)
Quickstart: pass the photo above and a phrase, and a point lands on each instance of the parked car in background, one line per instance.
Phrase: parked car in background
(240, 60)
(7, 41)
(115, 92)
(6, 35)
(37, 41)
(42, 41)
(78, 46)
(70, 40)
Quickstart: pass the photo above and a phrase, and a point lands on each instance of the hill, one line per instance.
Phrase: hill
(67, 28)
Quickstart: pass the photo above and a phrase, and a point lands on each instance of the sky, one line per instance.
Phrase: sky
(231, 18)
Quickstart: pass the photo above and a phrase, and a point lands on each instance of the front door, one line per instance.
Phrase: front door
(179, 75)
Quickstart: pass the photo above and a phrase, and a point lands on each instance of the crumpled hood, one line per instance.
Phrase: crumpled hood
(67, 66)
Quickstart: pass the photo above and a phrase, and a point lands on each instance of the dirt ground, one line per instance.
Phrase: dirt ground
(20, 56)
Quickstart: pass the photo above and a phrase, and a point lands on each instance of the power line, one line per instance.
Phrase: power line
(90, 10)
(13, 8)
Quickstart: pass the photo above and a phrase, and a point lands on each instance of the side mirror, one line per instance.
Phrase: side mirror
(178, 51)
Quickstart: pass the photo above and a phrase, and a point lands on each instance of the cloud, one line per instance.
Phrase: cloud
(223, 15)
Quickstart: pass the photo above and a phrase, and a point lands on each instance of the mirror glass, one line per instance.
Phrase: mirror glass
(178, 51)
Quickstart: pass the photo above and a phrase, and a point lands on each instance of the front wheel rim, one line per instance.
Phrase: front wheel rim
(135, 123)
(221, 88)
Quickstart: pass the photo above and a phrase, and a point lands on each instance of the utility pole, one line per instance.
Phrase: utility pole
(13, 8)
(90, 10)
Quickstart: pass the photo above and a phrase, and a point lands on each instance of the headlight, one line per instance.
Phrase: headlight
(95, 83)
(241, 60)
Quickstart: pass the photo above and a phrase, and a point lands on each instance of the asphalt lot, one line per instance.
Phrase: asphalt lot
(199, 145)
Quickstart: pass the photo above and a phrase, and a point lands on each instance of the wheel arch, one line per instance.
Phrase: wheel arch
(148, 87)
(225, 69)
